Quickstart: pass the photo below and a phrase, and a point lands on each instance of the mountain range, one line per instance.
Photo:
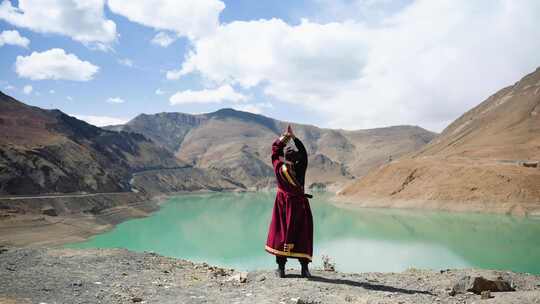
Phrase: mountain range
(47, 151)
(237, 144)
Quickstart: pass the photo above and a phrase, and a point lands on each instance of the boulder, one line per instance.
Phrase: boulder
(479, 284)
(530, 164)
(50, 211)
(485, 295)
(240, 277)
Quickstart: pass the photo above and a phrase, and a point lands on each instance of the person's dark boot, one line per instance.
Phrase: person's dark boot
(281, 261)
(305, 271)
(280, 272)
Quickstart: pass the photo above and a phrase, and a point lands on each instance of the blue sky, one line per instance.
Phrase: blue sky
(342, 63)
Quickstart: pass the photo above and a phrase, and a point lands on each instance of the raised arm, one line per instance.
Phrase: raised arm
(302, 159)
(301, 149)
(277, 148)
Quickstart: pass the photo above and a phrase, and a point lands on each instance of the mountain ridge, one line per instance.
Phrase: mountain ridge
(237, 144)
(48, 151)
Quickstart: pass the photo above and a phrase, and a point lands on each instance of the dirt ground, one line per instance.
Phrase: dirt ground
(120, 276)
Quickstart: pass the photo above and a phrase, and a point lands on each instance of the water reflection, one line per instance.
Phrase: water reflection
(230, 230)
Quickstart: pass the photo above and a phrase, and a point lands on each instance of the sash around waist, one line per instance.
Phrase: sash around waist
(301, 194)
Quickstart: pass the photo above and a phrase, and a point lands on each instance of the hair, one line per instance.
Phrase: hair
(291, 155)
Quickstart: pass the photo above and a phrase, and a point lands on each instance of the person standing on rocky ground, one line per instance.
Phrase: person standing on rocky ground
(291, 229)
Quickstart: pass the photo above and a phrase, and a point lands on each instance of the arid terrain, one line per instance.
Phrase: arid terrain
(237, 145)
(485, 161)
(59, 219)
(121, 276)
(47, 151)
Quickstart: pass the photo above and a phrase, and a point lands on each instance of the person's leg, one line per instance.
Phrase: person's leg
(305, 269)
(281, 261)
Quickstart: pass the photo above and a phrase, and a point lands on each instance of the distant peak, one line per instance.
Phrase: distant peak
(234, 112)
(230, 112)
(5, 96)
(245, 116)
(227, 110)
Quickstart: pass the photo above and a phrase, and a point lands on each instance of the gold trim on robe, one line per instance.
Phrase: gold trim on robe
(288, 176)
(289, 254)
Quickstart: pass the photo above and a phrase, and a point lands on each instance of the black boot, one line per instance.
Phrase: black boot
(305, 269)
(280, 272)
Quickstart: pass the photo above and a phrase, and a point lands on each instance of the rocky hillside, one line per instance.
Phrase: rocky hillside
(237, 144)
(485, 160)
(506, 126)
(47, 151)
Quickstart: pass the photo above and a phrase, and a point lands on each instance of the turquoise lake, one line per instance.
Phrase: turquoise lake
(229, 229)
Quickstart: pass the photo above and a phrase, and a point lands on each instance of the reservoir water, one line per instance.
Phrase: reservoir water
(229, 229)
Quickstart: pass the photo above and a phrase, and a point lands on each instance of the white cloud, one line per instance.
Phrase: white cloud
(27, 89)
(83, 21)
(160, 92)
(426, 64)
(101, 121)
(190, 18)
(126, 61)
(115, 100)
(256, 108)
(223, 93)
(52, 91)
(54, 64)
(9, 87)
(368, 11)
(163, 39)
(69, 98)
(13, 38)
(176, 74)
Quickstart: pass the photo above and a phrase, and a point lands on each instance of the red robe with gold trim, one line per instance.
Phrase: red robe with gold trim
(291, 229)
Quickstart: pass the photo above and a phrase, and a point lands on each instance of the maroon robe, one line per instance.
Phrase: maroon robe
(291, 229)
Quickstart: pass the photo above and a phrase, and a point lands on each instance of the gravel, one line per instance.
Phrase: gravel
(49, 275)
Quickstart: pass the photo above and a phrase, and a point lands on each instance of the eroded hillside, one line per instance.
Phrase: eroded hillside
(485, 160)
(47, 151)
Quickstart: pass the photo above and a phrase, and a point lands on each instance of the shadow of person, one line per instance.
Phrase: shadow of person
(365, 285)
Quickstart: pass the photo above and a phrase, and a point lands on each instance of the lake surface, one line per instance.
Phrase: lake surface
(230, 230)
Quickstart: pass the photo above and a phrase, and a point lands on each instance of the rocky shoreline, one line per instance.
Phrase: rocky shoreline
(43, 275)
(56, 220)
(519, 209)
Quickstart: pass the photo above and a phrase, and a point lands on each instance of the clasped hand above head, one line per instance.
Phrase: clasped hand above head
(290, 131)
(288, 135)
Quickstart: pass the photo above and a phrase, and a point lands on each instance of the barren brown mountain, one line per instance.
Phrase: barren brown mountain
(237, 144)
(487, 160)
(47, 151)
